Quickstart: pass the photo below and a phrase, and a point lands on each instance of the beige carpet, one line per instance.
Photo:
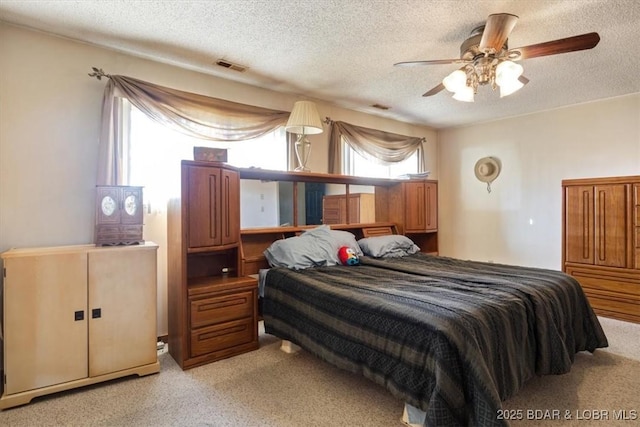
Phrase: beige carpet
(270, 388)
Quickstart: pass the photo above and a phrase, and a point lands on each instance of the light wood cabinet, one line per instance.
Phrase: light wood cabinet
(601, 244)
(212, 307)
(77, 315)
(362, 208)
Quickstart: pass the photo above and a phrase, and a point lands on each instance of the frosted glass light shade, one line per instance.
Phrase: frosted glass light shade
(507, 74)
(464, 94)
(455, 81)
(304, 119)
(508, 89)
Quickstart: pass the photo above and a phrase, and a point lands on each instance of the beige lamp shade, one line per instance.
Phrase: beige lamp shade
(304, 119)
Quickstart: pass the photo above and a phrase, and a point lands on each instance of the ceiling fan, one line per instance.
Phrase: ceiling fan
(487, 59)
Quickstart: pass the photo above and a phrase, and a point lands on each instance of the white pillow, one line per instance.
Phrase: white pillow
(391, 246)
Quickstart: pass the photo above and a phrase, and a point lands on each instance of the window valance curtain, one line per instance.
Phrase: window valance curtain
(192, 114)
(375, 145)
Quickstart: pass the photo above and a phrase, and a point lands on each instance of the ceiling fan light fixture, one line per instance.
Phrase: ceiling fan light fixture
(511, 87)
(464, 94)
(507, 77)
(489, 60)
(455, 81)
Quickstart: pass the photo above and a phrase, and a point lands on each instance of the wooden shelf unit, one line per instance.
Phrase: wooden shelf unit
(212, 306)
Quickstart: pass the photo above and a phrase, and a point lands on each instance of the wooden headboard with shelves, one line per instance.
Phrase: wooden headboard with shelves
(401, 207)
(254, 241)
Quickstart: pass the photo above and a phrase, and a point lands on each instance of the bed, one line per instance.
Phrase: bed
(452, 338)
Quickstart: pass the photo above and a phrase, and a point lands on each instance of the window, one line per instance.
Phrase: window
(356, 165)
(155, 152)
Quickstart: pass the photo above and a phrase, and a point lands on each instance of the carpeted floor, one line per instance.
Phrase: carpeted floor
(270, 388)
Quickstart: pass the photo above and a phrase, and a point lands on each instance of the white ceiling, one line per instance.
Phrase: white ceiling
(343, 51)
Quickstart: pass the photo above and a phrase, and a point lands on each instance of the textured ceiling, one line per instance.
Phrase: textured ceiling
(343, 51)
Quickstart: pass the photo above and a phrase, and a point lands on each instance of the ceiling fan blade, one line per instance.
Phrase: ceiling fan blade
(435, 90)
(430, 62)
(496, 31)
(554, 47)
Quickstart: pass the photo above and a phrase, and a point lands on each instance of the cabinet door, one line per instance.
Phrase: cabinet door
(230, 209)
(333, 208)
(636, 225)
(132, 212)
(204, 203)
(114, 194)
(611, 226)
(122, 286)
(421, 208)
(579, 224)
(44, 343)
(354, 209)
(431, 210)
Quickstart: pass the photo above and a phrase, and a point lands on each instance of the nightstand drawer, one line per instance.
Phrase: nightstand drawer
(222, 336)
(221, 309)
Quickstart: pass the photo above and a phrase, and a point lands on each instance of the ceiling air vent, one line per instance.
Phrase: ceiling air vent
(380, 107)
(231, 66)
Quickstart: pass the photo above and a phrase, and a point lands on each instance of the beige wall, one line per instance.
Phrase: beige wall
(520, 221)
(49, 127)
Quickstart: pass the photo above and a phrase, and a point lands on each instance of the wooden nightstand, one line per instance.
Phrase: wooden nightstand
(223, 317)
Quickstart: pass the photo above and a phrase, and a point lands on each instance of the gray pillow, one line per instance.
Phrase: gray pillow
(392, 246)
(313, 248)
(345, 238)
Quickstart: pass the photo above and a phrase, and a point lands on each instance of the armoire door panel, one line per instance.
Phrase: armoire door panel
(611, 225)
(579, 226)
(45, 321)
(636, 226)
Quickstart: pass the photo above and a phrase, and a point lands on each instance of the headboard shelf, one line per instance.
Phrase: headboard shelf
(324, 178)
(294, 230)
